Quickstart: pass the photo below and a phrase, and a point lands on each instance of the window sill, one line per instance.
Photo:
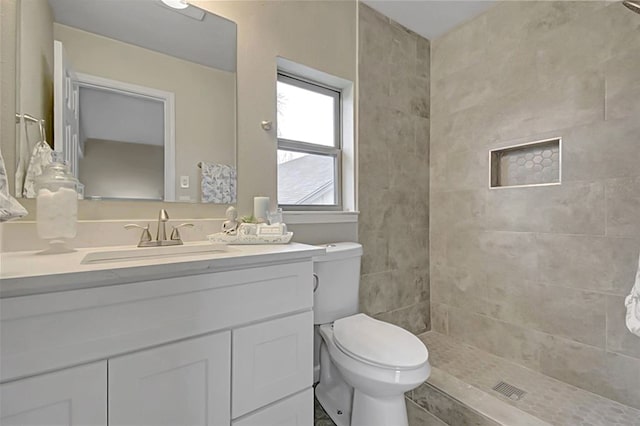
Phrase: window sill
(312, 217)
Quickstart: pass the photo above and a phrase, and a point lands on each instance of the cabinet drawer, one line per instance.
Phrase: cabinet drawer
(76, 396)
(184, 383)
(74, 327)
(271, 361)
(297, 410)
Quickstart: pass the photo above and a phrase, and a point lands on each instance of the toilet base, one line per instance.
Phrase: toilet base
(334, 405)
(333, 393)
(377, 411)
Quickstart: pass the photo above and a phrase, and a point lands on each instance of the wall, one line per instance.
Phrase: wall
(393, 182)
(35, 72)
(538, 275)
(8, 25)
(108, 169)
(205, 104)
(319, 34)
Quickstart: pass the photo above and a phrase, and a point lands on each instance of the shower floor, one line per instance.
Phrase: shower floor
(468, 374)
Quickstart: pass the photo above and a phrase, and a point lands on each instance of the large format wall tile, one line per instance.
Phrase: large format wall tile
(516, 343)
(596, 263)
(414, 318)
(459, 210)
(571, 313)
(602, 150)
(623, 207)
(623, 88)
(376, 293)
(439, 317)
(619, 338)
(393, 163)
(611, 375)
(459, 49)
(572, 208)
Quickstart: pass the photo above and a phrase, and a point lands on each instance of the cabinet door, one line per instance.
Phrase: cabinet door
(297, 410)
(75, 396)
(184, 383)
(271, 360)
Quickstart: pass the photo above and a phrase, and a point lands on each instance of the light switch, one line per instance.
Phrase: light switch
(184, 181)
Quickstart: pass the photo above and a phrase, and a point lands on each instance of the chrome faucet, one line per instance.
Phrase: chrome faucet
(163, 218)
(161, 233)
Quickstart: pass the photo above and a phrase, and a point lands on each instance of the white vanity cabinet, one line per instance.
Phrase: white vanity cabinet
(232, 346)
(75, 396)
(184, 383)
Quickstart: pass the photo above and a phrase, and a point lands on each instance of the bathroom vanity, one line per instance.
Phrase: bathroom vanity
(213, 338)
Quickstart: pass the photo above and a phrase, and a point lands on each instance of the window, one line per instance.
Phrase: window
(309, 145)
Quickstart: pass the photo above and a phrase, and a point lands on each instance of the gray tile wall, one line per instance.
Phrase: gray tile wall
(538, 275)
(393, 156)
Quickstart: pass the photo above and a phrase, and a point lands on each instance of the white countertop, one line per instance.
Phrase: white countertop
(27, 272)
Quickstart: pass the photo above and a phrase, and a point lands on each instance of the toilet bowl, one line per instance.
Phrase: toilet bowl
(363, 366)
(366, 366)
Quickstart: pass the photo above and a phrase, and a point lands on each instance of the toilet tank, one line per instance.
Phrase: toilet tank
(338, 279)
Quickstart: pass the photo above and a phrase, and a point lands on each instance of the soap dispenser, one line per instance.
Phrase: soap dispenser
(56, 204)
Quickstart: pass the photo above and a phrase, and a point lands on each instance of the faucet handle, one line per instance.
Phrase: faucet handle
(145, 237)
(175, 234)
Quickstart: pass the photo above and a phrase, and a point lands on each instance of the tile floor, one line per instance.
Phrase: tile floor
(320, 417)
(547, 399)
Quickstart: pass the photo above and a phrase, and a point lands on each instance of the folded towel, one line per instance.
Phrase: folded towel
(632, 302)
(10, 208)
(218, 183)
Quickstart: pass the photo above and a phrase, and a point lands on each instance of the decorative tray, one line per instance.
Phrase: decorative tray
(223, 238)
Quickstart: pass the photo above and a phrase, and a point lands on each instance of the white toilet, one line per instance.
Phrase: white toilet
(364, 366)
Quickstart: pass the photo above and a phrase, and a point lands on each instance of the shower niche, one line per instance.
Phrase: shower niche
(529, 164)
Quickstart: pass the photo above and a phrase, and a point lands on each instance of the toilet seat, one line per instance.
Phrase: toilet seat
(379, 343)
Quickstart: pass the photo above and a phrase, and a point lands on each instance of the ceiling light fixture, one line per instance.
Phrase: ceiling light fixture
(176, 4)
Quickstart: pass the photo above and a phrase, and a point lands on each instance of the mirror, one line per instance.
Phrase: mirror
(139, 96)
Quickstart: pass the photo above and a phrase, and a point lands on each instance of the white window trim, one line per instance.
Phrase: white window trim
(316, 217)
(348, 164)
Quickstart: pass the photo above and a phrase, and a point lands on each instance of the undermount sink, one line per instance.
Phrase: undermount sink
(141, 253)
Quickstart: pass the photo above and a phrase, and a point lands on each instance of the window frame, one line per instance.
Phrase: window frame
(334, 151)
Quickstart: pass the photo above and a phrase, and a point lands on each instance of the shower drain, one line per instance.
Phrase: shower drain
(509, 391)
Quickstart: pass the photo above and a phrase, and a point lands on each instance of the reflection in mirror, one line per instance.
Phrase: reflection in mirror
(141, 92)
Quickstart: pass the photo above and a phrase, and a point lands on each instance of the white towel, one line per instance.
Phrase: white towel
(41, 157)
(10, 208)
(632, 302)
(218, 183)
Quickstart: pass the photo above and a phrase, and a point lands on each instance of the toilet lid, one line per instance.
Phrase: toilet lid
(379, 343)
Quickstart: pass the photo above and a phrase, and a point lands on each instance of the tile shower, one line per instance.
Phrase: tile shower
(393, 183)
(532, 278)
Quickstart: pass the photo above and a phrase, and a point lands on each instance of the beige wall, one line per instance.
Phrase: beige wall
(319, 34)
(122, 170)
(35, 70)
(205, 104)
(8, 23)
(393, 183)
(538, 275)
